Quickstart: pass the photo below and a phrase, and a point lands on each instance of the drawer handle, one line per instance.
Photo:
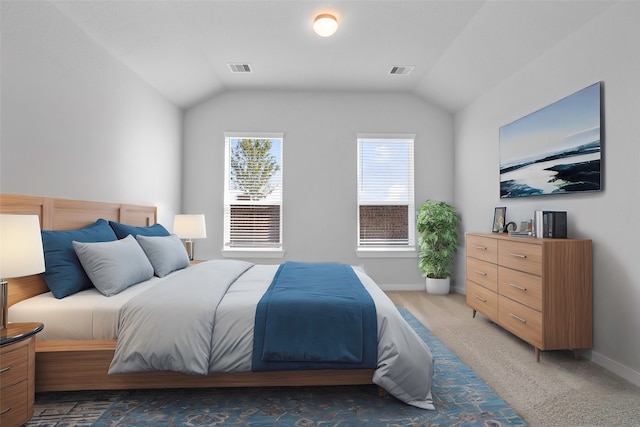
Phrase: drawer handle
(6, 411)
(518, 286)
(517, 317)
(482, 273)
(518, 255)
(3, 370)
(480, 298)
(482, 248)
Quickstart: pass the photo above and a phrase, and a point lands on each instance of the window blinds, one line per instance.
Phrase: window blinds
(385, 192)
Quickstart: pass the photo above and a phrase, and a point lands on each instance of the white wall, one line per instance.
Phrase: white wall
(319, 160)
(604, 50)
(75, 123)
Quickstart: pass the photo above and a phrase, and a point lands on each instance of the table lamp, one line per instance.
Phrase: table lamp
(21, 252)
(189, 227)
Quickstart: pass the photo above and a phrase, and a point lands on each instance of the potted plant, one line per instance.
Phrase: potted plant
(437, 223)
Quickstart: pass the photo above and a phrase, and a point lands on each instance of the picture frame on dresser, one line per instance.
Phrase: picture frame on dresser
(499, 219)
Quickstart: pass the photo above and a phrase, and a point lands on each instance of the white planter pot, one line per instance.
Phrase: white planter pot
(438, 286)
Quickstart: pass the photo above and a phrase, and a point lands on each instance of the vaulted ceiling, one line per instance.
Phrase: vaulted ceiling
(459, 49)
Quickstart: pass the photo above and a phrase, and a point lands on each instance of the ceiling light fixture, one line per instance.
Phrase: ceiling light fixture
(325, 25)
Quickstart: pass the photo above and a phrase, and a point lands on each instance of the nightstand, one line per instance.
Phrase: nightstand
(17, 372)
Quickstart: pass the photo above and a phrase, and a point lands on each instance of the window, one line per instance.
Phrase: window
(386, 212)
(253, 192)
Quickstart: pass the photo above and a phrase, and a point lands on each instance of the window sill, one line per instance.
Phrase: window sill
(386, 253)
(252, 253)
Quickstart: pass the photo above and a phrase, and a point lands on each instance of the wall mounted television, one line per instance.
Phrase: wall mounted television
(555, 150)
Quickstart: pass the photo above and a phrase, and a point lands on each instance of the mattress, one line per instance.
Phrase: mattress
(87, 315)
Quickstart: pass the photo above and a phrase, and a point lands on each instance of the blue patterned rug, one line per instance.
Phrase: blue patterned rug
(460, 396)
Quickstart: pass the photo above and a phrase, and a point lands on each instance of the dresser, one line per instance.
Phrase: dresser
(538, 289)
(17, 368)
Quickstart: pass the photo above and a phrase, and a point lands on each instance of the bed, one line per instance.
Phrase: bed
(80, 357)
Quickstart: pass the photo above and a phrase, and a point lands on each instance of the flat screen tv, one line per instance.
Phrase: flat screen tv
(555, 150)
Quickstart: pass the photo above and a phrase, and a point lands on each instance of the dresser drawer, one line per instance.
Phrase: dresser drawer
(13, 405)
(482, 300)
(13, 366)
(520, 256)
(521, 320)
(483, 273)
(484, 248)
(521, 287)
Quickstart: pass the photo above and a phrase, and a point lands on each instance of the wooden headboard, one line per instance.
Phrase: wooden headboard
(64, 214)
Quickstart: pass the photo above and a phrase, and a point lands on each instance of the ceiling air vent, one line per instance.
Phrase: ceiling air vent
(240, 68)
(401, 69)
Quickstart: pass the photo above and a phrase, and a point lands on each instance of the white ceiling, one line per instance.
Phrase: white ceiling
(460, 49)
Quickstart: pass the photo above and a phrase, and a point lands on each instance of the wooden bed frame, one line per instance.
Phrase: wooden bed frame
(83, 364)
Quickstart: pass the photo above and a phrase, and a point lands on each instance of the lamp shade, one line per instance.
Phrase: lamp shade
(190, 226)
(21, 251)
(325, 25)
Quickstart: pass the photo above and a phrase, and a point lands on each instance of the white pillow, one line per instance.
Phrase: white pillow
(166, 253)
(114, 266)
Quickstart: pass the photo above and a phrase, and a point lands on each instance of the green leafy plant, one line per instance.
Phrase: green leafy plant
(437, 223)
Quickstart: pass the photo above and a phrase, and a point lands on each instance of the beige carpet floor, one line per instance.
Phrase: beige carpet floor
(558, 391)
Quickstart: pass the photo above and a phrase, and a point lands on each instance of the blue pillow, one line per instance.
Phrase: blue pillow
(64, 274)
(123, 230)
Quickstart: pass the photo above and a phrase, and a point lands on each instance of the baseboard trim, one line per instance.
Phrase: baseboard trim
(616, 367)
(610, 365)
(403, 287)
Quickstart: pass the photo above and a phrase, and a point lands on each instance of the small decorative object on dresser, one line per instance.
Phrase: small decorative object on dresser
(499, 219)
(17, 372)
(552, 224)
(538, 289)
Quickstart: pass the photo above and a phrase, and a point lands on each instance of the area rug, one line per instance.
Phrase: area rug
(460, 396)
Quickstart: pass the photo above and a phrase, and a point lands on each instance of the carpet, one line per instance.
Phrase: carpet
(460, 396)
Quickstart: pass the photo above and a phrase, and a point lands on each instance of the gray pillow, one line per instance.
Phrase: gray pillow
(166, 253)
(114, 266)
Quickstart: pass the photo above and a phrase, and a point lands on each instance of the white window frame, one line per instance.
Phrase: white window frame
(249, 251)
(389, 251)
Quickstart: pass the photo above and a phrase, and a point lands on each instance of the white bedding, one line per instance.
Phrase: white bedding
(87, 315)
(405, 365)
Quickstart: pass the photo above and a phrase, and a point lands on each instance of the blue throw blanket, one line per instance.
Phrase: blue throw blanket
(315, 316)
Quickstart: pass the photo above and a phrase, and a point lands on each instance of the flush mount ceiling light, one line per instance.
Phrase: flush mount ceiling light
(325, 25)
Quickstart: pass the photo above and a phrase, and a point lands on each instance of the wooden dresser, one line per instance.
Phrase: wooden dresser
(538, 289)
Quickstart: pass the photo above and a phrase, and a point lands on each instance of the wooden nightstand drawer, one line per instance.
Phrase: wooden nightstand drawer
(13, 366)
(17, 375)
(483, 273)
(520, 256)
(482, 300)
(13, 405)
(483, 248)
(521, 287)
(521, 321)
